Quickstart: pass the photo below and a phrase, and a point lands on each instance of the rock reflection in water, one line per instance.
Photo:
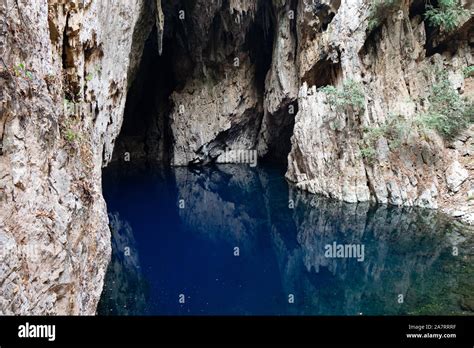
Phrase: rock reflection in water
(125, 289)
(415, 261)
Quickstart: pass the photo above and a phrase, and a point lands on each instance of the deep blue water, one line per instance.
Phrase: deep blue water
(415, 261)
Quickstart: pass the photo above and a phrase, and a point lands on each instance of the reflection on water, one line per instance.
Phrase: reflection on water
(126, 287)
(240, 241)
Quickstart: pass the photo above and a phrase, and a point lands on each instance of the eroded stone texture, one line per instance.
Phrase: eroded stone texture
(281, 85)
(395, 72)
(214, 116)
(63, 80)
(220, 107)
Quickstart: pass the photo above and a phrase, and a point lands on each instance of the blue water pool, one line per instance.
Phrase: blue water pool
(237, 240)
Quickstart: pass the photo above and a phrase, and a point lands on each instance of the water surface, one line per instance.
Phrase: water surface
(236, 240)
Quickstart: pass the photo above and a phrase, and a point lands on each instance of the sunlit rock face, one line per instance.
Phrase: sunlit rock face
(64, 80)
(395, 68)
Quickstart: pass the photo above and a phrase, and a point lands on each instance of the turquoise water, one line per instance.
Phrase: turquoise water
(236, 240)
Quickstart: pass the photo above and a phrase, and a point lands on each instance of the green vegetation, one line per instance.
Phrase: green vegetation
(448, 113)
(369, 140)
(468, 71)
(70, 130)
(89, 77)
(396, 130)
(448, 15)
(368, 152)
(70, 125)
(350, 95)
(70, 135)
(380, 10)
(20, 70)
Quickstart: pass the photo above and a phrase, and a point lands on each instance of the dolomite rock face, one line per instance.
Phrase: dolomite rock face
(212, 118)
(219, 108)
(395, 72)
(281, 85)
(315, 163)
(455, 176)
(63, 78)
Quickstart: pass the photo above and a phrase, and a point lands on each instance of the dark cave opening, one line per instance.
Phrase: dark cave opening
(438, 42)
(283, 123)
(418, 8)
(260, 44)
(324, 73)
(145, 133)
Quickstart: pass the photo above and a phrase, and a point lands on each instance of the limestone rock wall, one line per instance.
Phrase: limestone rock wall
(63, 77)
(220, 106)
(395, 72)
(281, 84)
(211, 117)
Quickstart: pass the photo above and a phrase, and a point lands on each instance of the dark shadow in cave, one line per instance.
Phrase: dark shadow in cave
(282, 124)
(145, 133)
(260, 43)
(324, 73)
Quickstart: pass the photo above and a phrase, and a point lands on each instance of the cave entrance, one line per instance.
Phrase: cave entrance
(274, 143)
(145, 133)
(280, 125)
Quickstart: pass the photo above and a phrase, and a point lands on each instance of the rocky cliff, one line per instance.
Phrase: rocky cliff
(365, 143)
(64, 71)
(351, 93)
